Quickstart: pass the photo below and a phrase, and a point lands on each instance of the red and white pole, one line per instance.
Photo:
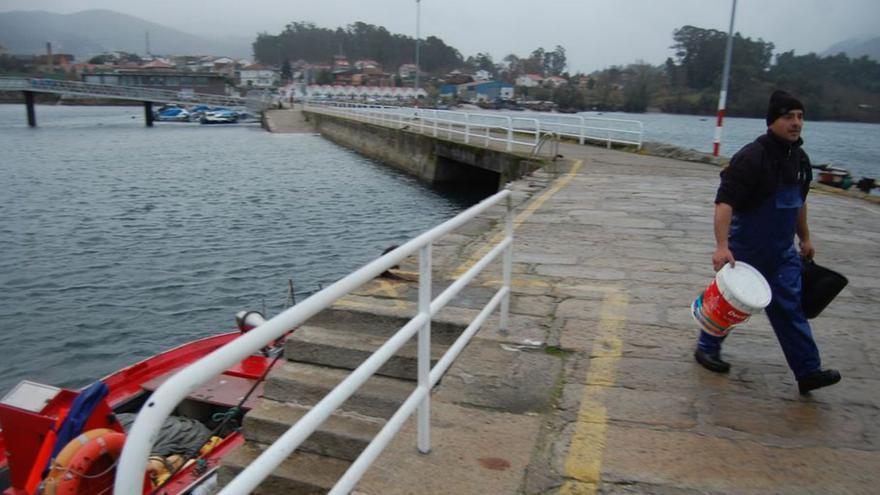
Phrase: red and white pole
(722, 98)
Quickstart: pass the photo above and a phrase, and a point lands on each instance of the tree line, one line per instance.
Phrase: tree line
(305, 41)
(833, 87)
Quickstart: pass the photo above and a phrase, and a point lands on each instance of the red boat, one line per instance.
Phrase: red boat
(33, 418)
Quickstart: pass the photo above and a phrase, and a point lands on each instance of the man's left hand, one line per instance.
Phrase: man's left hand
(807, 249)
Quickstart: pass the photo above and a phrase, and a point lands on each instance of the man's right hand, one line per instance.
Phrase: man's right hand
(722, 255)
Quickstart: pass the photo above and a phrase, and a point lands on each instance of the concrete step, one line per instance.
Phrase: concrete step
(347, 349)
(307, 384)
(302, 473)
(342, 435)
(379, 320)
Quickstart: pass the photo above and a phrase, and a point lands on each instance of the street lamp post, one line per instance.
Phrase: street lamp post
(722, 99)
(418, 42)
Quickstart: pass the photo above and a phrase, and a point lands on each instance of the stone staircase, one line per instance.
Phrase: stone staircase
(318, 356)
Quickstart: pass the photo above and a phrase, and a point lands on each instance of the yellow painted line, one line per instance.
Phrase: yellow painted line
(519, 219)
(356, 304)
(381, 287)
(583, 465)
(378, 288)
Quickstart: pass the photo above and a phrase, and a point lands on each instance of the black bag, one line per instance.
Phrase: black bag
(820, 286)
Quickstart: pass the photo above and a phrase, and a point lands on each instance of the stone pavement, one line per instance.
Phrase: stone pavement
(610, 251)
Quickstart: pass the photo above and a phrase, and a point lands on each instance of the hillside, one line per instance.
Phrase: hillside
(88, 33)
(855, 48)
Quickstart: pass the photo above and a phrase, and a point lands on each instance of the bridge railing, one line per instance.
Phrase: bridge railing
(469, 127)
(492, 126)
(133, 461)
(120, 92)
(594, 129)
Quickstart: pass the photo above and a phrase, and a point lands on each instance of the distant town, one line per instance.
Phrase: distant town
(366, 63)
(362, 80)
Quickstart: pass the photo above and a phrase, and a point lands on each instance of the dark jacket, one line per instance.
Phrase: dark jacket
(759, 168)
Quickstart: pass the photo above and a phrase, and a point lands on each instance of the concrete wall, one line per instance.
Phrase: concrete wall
(431, 159)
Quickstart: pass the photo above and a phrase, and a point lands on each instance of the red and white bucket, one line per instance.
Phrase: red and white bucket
(735, 295)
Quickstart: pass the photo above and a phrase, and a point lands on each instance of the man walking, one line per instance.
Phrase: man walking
(759, 207)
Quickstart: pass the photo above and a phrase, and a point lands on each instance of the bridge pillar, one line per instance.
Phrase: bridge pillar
(148, 113)
(29, 103)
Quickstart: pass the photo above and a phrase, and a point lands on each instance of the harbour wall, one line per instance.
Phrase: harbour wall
(431, 159)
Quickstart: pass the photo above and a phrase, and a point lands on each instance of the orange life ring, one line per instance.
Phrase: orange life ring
(86, 464)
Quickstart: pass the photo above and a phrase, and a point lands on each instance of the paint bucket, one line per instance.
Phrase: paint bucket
(734, 295)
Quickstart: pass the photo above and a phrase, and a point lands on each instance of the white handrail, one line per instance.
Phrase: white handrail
(491, 126)
(487, 127)
(141, 436)
(121, 92)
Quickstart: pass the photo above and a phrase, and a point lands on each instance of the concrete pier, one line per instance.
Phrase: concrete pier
(433, 159)
(607, 264)
(594, 388)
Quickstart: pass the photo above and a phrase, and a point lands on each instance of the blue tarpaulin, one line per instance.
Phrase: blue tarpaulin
(80, 412)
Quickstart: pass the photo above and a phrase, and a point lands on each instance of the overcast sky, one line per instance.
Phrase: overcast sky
(595, 33)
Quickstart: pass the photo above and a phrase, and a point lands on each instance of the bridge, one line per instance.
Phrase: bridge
(30, 86)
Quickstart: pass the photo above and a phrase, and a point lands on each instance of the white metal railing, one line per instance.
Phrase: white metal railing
(469, 127)
(118, 92)
(162, 402)
(586, 128)
(489, 126)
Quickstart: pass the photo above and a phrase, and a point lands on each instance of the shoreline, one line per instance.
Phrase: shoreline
(649, 148)
(664, 150)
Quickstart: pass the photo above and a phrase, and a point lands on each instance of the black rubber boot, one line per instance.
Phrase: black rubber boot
(712, 361)
(818, 379)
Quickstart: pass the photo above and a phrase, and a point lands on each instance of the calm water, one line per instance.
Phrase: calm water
(119, 241)
(853, 146)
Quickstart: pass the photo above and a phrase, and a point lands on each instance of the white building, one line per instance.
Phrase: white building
(363, 93)
(529, 80)
(555, 81)
(482, 75)
(259, 76)
(407, 71)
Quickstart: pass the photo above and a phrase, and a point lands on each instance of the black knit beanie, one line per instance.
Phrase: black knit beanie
(780, 104)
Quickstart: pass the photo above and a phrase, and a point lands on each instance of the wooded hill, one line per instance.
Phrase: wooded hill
(833, 87)
(305, 41)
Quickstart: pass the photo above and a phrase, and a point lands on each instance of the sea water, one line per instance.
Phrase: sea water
(119, 241)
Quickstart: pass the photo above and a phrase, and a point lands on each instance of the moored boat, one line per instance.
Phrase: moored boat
(219, 117)
(833, 176)
(55, 440)
(174, 114)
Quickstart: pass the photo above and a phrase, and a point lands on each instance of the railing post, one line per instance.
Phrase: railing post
(29, 107)
(424, 362)
(507, 263)
(509, 134)
(583, 130)
(435, 122)
(467, 128)
(608, 140)
(641, 133)
(537, 133)
(148, 113)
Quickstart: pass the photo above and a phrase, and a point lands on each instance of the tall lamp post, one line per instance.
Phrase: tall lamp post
(722, 99)
(418, 42)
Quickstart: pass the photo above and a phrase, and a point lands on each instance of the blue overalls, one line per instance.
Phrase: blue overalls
(764, 238)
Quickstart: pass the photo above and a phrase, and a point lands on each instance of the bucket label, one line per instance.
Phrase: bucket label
(715, 314)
